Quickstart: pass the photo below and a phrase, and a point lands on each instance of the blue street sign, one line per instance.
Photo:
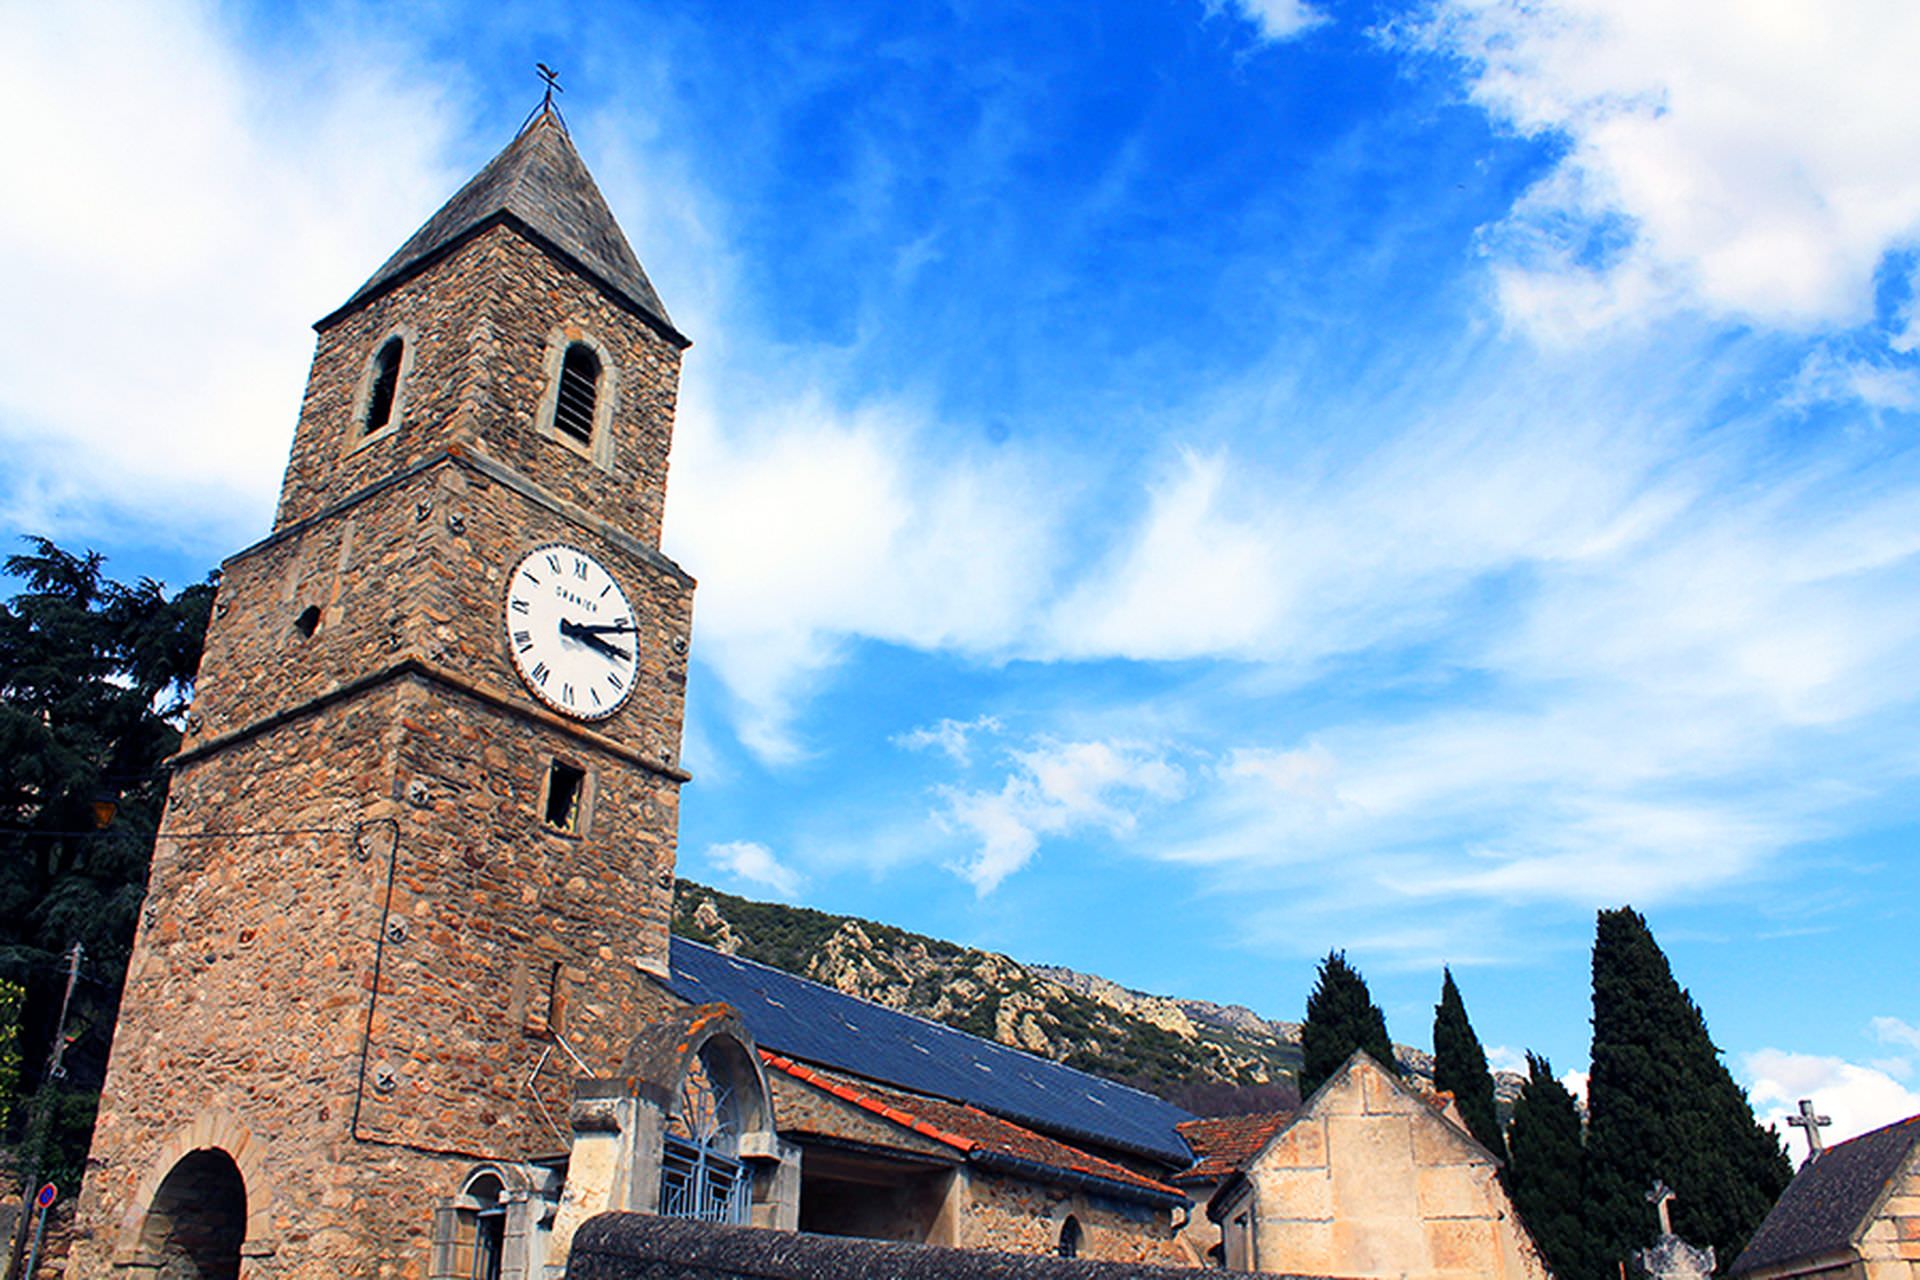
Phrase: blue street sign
(48, 1194)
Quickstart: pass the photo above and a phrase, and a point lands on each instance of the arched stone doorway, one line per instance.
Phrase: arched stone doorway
(194, 1227)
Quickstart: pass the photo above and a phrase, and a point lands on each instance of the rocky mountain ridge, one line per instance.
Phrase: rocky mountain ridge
(1203, 1055)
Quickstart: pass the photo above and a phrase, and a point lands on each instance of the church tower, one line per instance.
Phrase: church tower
(417, 859)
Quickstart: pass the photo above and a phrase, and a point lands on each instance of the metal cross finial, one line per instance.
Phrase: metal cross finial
(1811, 1123)
(551, 79)
(1658, 1197)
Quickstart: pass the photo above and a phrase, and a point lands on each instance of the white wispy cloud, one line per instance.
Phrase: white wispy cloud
(1895, 1031)
(1748, 161)
(952, 738)
(1829, 378)
(1056, 789)
(178, 220)
(812, 527)
(1650, 660)
(755, 863)
(1275, 20)
(1857, 1098)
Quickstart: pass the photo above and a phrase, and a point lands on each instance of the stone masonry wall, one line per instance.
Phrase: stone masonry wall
(1890, 1247)
(1371, 1181)
(1023, 1217)
(479, 324)
(627, 1246)
(248, 995)
(245, 1003)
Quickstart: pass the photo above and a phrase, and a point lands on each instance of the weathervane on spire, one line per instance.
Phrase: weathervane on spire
(551, 79)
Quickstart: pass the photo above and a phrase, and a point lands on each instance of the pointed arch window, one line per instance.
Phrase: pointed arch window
(385, 386)
(701, 1175)
(1070, 1237)
(579, 398)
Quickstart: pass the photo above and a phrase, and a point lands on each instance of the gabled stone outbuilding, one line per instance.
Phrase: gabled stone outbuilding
(1369, 1179)
(1852, 1214)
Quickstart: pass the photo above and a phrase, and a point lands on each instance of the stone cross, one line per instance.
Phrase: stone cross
(1812, 1124)
(1659, 1196)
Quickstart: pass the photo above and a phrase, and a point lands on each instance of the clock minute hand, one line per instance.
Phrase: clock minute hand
(589, 637)
(604, 628)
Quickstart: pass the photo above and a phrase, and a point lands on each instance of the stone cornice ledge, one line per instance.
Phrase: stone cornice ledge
(501, 474)
(420, 668)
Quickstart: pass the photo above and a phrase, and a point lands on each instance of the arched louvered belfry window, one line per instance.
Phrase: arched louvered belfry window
(1069, 1238)
(386, 385)
(579, 396)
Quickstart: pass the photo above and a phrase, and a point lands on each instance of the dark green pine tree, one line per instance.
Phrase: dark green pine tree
(1661, 1104)
(1341, 1017)
(1460, 1067)
(94, 677)
(1543, 1169)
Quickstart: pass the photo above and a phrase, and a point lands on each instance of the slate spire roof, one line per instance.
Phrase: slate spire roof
(540, 185)
(1829, 1201)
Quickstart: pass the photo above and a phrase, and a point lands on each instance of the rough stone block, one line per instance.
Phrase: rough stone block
(1461, 1247)
(1437, 1144)
(1303, 1145)
(1372, 1173)
(1298, 1248)
(1454, 1191)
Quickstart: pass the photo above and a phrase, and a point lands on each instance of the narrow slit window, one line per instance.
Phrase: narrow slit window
(386, 382)
(564, 785)
(579, 393)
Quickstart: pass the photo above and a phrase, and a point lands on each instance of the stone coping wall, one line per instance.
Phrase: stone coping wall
(636, 1246)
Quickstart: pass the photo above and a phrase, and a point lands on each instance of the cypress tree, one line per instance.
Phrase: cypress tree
(1543, 1169)
(1662, 1105)
(1341, 1017)
(1460, 1067)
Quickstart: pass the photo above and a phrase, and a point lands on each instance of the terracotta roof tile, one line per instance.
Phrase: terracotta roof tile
(968, 1129)
(1223, 1145)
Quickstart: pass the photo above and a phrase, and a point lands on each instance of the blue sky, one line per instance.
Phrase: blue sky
(1176, 485)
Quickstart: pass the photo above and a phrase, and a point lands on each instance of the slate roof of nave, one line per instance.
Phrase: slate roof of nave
(539, 181)
(1829, 1200)
(971, 1131)
(816, 1024)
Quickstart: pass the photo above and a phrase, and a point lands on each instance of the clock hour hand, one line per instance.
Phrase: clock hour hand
(589, 636)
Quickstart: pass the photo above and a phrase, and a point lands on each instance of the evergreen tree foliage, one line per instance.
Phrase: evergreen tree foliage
(94, 675)
(1662, 1105)
(1341, 1017)
(1543, 1169)
(1460, 1067)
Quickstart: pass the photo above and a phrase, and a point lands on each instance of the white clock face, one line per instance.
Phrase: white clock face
(571, 632)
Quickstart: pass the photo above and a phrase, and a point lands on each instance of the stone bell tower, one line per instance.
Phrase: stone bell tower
(418, 854)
